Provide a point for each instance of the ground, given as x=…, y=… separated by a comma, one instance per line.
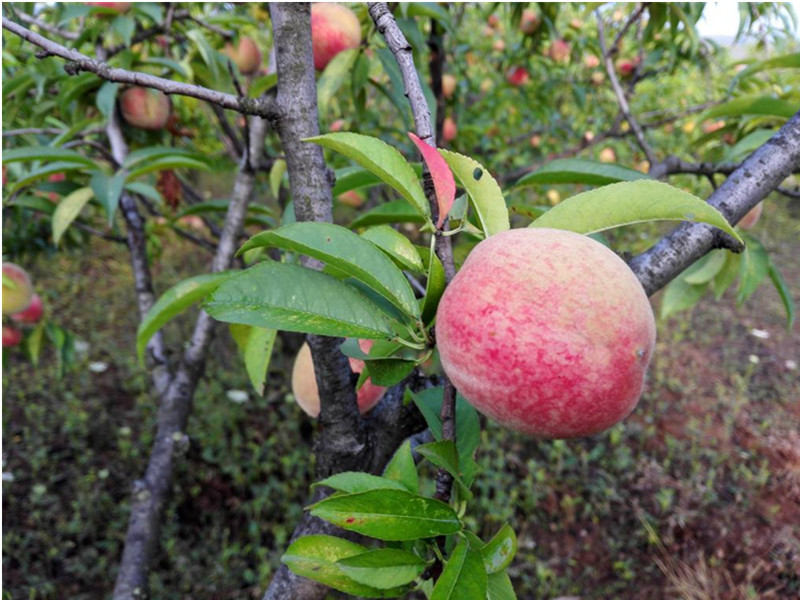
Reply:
x=696, y=495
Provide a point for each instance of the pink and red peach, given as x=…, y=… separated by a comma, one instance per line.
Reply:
x=547, y=332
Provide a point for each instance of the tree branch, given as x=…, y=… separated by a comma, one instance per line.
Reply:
x=620, y=93
x=748, y=185
x=46, y=27
x=263, y=107
x=635, y=15
x=401, y=49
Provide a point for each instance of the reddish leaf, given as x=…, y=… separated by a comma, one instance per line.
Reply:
x=443, y=181
x=169, y=186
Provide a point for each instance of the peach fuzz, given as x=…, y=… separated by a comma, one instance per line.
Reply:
x=306, y=392
x=334, y=28
x=547, y=332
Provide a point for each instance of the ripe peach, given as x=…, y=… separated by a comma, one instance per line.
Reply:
x=449, y=130
x=529, y=22
x=536, y=140
x=712, y=126
x=597, y=78
x=607, y=155
x=590, y=61
x=145, y=108
x=518, y=76
x=499, y=45
x=246, y=55
x=18, y=297
x=337, y=125
x=32, y=314
x=626, y=66
x=306, y=392
x=559, y=51
x=333, y=28
x=11, y=336
x=493, y=20
x=751, y=218
x=448, y=85
x=351, y=198
x=547, y=332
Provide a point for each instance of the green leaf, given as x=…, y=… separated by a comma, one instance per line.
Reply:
x=384, y=569
x=753, y=105
x=580, y=170
x=383, y=160
x=679, y=296
x=468, y=426
x=68, y=210
x=500, y=550
x=710, y=265
x=346, y=252
x=169, y=162
x=396, y=211
x=276, y=177
x=261, y=84
x=389, y=372
x=752, y=270
x=42, y=172
x=255, y=346
x=391, y=515
x=442, y=454
x=783, y=292
x=144, y=189
x=748, y=144
x=434, y=288
x=353, y=177
x=152, y=153
x=46, y=153
x=463, y=577
x=628, y=203
x=403, y=469
x=333, y=76
x=396, y=245
x=124, y=26
x=33, y=343
x=291, y=298
x=500, y=587
x=484, y=193
x=353, y=482
x=107, y=189
x=316, y=557
x=786, y=61
x=727, y=275
x=107, y=98
x=211, y=57
x=173, y=302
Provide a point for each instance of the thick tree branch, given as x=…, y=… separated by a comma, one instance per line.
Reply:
x=759, y=174
x=620, y=93
x=263, y=107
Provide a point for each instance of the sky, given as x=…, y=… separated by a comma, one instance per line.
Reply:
x=721, y=19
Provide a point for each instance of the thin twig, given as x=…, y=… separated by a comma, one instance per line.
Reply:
x=401, y=49
x=620, y=94
x=47, y=28
x=78, y=62
x=633, y=18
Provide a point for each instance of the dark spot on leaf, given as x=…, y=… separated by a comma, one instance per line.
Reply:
x=350, y=520
x=477, y=173
x=329, y=239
